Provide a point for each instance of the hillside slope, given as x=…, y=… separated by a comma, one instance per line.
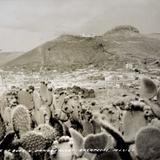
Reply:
x=8, y=56
x=110, y=50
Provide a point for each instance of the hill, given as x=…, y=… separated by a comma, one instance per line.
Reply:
x=8, y=56
x=154, y=35
x=114, y=49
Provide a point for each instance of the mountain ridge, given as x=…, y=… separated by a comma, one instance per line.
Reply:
x=117, y=46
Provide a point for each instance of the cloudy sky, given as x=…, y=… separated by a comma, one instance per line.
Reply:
x=25, y=24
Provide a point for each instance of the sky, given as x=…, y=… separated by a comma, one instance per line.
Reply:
x=25, y=24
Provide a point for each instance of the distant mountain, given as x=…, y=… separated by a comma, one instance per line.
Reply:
x=115, y=48
x=8, y=56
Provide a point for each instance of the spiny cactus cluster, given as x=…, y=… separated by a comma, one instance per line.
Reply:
x=61, y=124
x=34, y=120
x=33, y=141
x=47, y=131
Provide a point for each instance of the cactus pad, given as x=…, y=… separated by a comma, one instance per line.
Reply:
x=96, y=143
x=78, y=142
x=132, y=122
x=25, y=98
x=148, y=143
x=33, y=142
x=21, y=120
x=109, y=155
x=47, y=131
x=156, y=123
x=36, y=100
x=158, y=96
x=8, y=155
x=43, y=91
x=148, y=88
x=64, y=151
x=49, y=96
x=156, y=109
x=42, y=115
x=2, y=128
x=22, y=154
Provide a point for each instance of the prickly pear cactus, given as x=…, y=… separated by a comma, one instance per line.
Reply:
x=155, y=122
x=67, y=105
x=2, y=128
x=22, y=155
x=78, y=142
x=133, y=152
x=148, y=88
x=62, y=116
x=132, y=122
x=158, y=96
x=42, y=115
x=25, y=98
x=148, y=143
x=7, y=115
x=65, y=151
x=112, y=115
x=7, y=141
x=3, y=104
x=96, y=127
x=8, y=155
x=58, y=102
x=58, y=126
x=47, y=131
x=36, y=100
x=72, y=107
x=149, y=115
x=43, y=91
x=87, y=128
x=95, y=143
x=52, y=106
x=108, y=155
x=156, y=109
x=33, y=142
x=21, y=120
x=49, y=96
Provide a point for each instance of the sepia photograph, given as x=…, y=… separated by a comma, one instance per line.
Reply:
x=79, y=80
